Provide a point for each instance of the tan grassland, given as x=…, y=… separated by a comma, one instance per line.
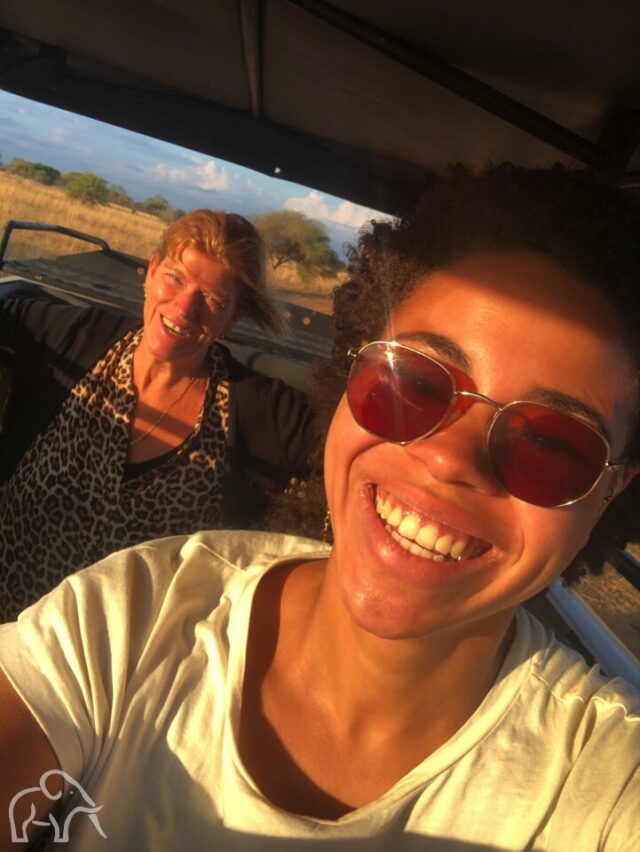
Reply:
x=134, y=233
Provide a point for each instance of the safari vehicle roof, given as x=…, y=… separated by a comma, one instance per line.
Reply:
x=365, y=99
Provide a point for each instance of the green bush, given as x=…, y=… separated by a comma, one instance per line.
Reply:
x=155, y=205
x=39, y=172
x=117, y=194
x=86, y=187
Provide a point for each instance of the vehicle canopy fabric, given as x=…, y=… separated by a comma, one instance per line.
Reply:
x=366, y=99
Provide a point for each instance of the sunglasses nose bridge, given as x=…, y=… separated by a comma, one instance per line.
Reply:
x=480, y=397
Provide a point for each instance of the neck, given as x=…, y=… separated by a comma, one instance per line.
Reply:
x=390, y=686
x=149, y=372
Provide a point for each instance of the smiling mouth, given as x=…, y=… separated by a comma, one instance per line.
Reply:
x=425, y=537
x=175, y=328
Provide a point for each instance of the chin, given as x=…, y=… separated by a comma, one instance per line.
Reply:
x=388, y=613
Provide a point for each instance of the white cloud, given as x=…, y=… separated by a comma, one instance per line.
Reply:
x=346, y=213
x=249, y=184
x=58, y=135
x=207, y=175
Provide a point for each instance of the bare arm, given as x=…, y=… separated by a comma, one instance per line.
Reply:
x=25, y=754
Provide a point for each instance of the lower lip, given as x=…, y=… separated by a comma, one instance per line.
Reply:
x=405, y=566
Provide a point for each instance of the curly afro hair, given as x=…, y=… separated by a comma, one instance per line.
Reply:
x=570, y=217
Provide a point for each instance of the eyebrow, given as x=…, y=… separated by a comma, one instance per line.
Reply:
x=441, y=345
x=570, y=405
x=451, y=351
x=172, y=267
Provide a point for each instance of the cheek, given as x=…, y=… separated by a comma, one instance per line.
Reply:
x=552, y=537
x=154, y=294
x=331, y=455
x=337, y=454
x=346, y=441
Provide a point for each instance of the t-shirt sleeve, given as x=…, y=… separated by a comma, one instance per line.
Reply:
x=71, y=655
x=622, y=833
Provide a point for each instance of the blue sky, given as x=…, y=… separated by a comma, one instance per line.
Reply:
x=146, y=166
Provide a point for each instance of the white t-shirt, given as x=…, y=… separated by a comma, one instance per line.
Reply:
x=134, y=669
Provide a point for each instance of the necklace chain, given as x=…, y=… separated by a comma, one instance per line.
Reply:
x=157, y=422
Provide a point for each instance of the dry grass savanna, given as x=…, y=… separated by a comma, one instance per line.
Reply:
x=20, y=198
x=135, y=233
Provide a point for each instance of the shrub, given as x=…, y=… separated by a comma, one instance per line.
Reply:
x=86, y=187
x=39, y=172
x=117, y=194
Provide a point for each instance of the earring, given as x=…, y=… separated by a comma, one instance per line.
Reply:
x=326, y=529
x=611, y=493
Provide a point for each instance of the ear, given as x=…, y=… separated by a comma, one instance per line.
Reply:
x=151, y=268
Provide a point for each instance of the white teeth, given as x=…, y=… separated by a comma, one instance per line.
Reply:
x=395, y=517
x=443, y=544
x=409, y=526
x=383, y=507
x=403, y=542
x=412, y=547
x=427, y=536
x=176, y=329
x=424, y=541
x=458, y=548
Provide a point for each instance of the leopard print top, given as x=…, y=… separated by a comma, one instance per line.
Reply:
x=68, y=503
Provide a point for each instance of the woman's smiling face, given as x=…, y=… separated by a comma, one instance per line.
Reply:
x=520, y=326
x=189, y=302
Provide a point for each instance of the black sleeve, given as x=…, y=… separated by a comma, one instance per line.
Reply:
x=272, y=433
x=47, y=347
x=36, y=333
x=276, y=429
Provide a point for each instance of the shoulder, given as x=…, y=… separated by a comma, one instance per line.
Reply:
x=591, y=724
x=589, y=719
x=564, y=679
x=194, y=570
x=57, y=325
x=248, y=381
x=567, y=677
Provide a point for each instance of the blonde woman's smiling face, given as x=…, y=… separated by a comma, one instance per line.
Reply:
x=189, y=302
x=520, y=327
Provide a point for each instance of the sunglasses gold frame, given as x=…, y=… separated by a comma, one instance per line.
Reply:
x=392, y=345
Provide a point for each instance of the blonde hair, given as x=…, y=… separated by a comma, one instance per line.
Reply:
x=236, y=243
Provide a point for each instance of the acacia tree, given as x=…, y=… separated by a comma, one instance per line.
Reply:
x=86, y=187
x=291, y=237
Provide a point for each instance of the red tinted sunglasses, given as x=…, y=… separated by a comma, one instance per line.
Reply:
x=540, y=455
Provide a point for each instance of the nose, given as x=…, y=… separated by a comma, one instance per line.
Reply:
x=188, y=302
x=457, y=453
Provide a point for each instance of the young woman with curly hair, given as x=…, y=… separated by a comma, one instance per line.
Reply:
x=262, y=692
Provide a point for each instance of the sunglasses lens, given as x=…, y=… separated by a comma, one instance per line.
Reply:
x=396, y=393
x=545, y=457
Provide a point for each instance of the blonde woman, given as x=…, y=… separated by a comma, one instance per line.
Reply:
x=117, y=433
